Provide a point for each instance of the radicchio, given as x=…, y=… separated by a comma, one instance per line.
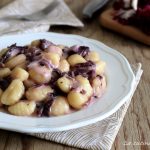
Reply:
x=81, y=50
x=4, y=83
x=86, y=69
x=13, y=50
x=33, y=54
x=45, y=44
x=140, y=18
x=44, y=107
x=56, y=74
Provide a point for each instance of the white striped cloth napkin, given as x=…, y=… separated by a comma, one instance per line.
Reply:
x=100, y=135
x=61, y=15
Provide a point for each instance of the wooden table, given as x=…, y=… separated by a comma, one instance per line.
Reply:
x=135, y=130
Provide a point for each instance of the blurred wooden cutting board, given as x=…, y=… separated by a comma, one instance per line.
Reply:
x=107, y=21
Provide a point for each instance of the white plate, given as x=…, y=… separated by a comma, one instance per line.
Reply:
x=120, y=80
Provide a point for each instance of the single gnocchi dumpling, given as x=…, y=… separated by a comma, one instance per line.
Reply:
x=64, y=65
x=19, y=73
x=39, y=74
x=82, y=80
x=77, y=99
x=13, y=62
x=38, y=93
x=3, y=51
x=53, y=58
x=22, y=65
x=4, y=72
x=60, y=106
x=54, y=49
x=13, y=93
x=35, y=43
x=75, y=59
x=84, y=85
x=99, y=85
x=64, y=84
x=61, y=46
x=93, y=56
x=100, y=67
x=29, y=83
x=22, y=108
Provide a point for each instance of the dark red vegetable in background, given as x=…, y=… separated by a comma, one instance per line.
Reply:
x=141, y=17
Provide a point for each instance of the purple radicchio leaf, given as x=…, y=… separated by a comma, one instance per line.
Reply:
x=66, y=52
x=44, y=44
x=142, y=19
x=39, y=109
x=44, y=107
x=139, y=18
x=86, y=69
x=118, y=4
x=33, y=54
x=13, y=50
x=81, y=50
x=4, y=83
x=56, y=74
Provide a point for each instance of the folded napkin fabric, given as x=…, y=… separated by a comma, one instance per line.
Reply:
x=61, y=15
x=100, y=135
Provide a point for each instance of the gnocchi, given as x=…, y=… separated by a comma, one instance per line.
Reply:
x=61, y=46
x=3, y=51
x=99, y=85
x=75, y=59
x=22, y=108
x=38, y=93
x=85, y=85
x=45, y=79
x=13, y=93
x=29, y=83
x=100, y=67
x=4, y=72
x=53, y=58
x=40, y=74
x=13, y=62
x=54, y=49
x=64, y=66
x=93, y=56
x=76, y=99
x=35, y=43
x=60, y=106
x=22, y=65
x=64, y=84
x=19, y=73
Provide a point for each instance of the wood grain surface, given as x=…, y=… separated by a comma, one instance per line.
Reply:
x=134, y=133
